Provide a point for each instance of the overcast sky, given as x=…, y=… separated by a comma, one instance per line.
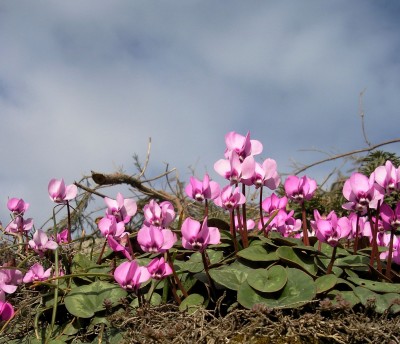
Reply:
x=84, y=84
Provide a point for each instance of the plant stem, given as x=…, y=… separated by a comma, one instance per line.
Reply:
x=233, y=232
x=389, y=258
x=206, y=264
x=245, y=239
x=102, y=251
x=176, y=277
x=306, y=241
x=330, y=266
x=357, y=231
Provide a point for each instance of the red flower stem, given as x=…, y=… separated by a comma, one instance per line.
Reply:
x=206, y=208
x=206, y=264
x=176, y=277
x=389, y=258
x=357, y=232
x=233, y=232
x=374, y=229
x=245, y=239
x=130, y=248
x=261, y=209
x=174, y=293
x=101, y=252
x=306, y=241
x=330, y=266
x=69, y=238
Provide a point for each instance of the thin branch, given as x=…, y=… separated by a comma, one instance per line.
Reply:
x=339, y=156
x=362, y=115
x=120, y=178
x=147, y=160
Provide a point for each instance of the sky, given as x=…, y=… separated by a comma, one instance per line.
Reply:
x=85, y=84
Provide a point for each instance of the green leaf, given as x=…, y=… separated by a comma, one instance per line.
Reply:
x=294, y=258
x=380, y=287
x=299, y=290
x=195, y=262
x=228, y=277
x=325, y=283
x=268, y=280
x=354, y=261
x=191, y=303
x=86, y=300
x=382, y=303
x=257, y=253
x=338, y=297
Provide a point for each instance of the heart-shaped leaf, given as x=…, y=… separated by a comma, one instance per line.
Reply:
x=268, y=280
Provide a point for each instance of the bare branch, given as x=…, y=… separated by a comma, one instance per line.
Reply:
x=147, y=160
x=339, y=156
x=362, y=115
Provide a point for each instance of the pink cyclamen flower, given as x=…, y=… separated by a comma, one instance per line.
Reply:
x=250, y=224
x=9, y=279
x=387, y=177
x=201, y=190
x=196, y=236
x=159, y=269
x=361, y=192
x=17, y=206
x=235, y=170
x=155, y=240
x=120, y=244
x=390, y=217
x=242, y=145
x=264, y=175
x=19, y=225
x=129, y=275
x=159, y=215
x=36, y=273
x=108, y=225
x=363, y=224
x=331, y=231
x=273, y=202
x=59, y=192
x=6, y=311
x=300, y=189
x=41, y=243
x=230, y=199
x=62, y=237
x=122, y=208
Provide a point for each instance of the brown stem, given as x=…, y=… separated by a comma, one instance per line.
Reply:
x=176, y=277
x=245, y=239
x=102, y=251
x=206, y=264
x=261, y=208
x=357, y=231
x=233, y=232
x=330, y=266
x=306, y=241
x=389, y=258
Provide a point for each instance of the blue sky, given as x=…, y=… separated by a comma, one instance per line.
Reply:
x=84, y=84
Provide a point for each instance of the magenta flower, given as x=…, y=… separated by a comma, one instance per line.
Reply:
x=6, y=311
x=230, y=199
x=390, y=217
x=108, y=225
x=155, y=240
x=273, y=202
x=300, y=189
x=159, y=215
x=234, y=170
x=19, y=225
x=41, y=243
x=17, y=206
x=201, y=190
x=36, y=273
x=363, y=224
x=387, y=177
x=62, y=237
x=120, y=244
x=9, y=279
x=264, y=175
x=242, y=145
x=361, y=192
x=59, y=192
x=250, y=224
x=159, y=269
x=197, y=237
x=331, y=231
x=318, y=216
x=129, y=275
x=122, y=209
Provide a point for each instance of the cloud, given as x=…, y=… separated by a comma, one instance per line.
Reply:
x=83, y=86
